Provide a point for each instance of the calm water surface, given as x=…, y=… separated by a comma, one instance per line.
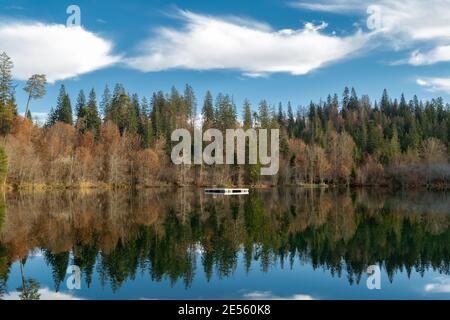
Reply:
x=182, y=244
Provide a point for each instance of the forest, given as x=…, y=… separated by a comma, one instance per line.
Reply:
x=118, y=139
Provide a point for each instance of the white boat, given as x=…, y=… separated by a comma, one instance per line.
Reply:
x=226, y=191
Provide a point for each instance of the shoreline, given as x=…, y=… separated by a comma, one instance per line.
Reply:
x=84, y=187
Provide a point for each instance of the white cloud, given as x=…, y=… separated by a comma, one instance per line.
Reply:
x=268, y=295
x=435, y=84
x=45, y=294
x=414, y=19
x=255, y=49
x=55, y=50
x=404, y=24
x=442, y=285
x=336, y=6
x=438, y=54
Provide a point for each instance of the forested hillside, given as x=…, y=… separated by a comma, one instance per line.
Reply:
x=121, y=139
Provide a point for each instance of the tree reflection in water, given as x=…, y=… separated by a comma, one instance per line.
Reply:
x=169, y=233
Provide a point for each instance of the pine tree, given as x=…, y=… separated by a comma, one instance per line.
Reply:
x=225, y=113
x=80, y=107
x=385, y=103
x=291, y=121
x=158, y=104
x=345, y=98
x=6, y=85
x=190, y=103
x=35, y=88
x=281, y=117
x=208, y=111
x=264, y=115
x=105, y=104
x=93, y=120
x=248, y=121
x=81, y=111
x=145, y=125
x=353, y=102
x=123, y=113
x=7, y=101
x=133, y=114
x=413, y=137
x=393, y=147
x=63, y=110
x=374, y=138
x=66, y=111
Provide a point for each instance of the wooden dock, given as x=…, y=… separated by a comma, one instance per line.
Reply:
x=226, y=191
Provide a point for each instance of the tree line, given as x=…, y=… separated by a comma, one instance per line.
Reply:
x=122, y=139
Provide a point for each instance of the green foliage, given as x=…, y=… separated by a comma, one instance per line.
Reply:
x=208, y=111
x=248, y=120
x=35, y=87
x=105, y=104
x=7, y=113
x=3, y=165
x=6, y=85
x=145, y=129
x=225, y=113
x=92, y=116
x=80, y=107
x=8, y=107
x=385, y=131
x=63, y=110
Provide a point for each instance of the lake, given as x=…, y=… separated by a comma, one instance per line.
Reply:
x=182, y=244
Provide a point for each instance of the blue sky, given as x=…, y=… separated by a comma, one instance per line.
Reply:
x=292, y=50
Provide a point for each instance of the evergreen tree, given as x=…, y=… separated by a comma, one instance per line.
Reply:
x=145, y=126
x=63, y=110
x=264, y=115
x=413, y=137
x=105, y=104
x=281, y=117
x=158, y=105
x=93, y=120
x=385, y=103
x=393, y=147
x=208, y=111
x=80, y=107
x=123, y=113
x=6, y=85
x=353, y=101
x=374, y=138
x=35, y=88
x=66, y=111
x=345, y=98
x=248, y=121
x=291, y=121
x=7, y=101
x=225, y=113
x=81, y=111
x=190, y=103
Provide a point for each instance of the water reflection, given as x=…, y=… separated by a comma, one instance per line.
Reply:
x=178, y=234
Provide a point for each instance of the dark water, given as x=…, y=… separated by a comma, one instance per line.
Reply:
x=182, y=244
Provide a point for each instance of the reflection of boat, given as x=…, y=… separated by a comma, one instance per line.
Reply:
x=225, y=191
